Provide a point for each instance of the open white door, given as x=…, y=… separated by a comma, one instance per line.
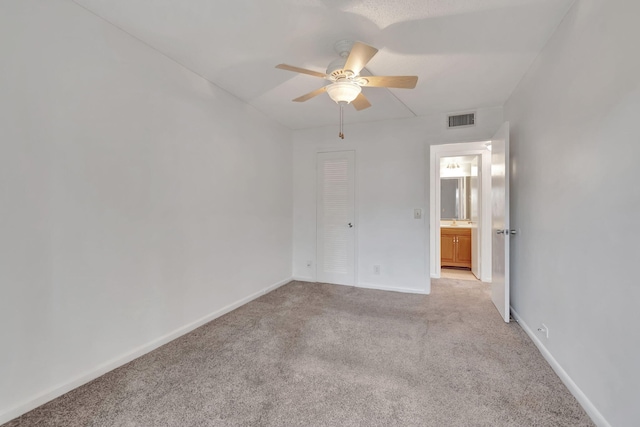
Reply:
x=500, y=220
x=335, y=259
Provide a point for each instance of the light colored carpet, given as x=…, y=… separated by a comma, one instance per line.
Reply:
x=325, y=355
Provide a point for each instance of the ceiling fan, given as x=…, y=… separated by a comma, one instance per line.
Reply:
x=346, y=82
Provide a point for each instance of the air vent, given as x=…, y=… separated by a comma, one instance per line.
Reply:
x=462, y=120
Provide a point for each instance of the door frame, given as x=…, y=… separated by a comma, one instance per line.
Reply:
x=454, y=150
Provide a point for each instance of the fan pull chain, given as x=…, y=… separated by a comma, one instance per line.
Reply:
x=341, y=133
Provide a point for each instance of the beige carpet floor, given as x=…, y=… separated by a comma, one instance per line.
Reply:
x=324, y=355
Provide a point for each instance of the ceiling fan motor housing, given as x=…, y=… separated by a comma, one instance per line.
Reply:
x=336, y=71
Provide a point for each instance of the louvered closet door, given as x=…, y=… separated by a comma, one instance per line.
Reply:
x=335, y=218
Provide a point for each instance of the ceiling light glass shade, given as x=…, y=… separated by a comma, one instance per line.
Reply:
x=343, y=91
x=453, y=165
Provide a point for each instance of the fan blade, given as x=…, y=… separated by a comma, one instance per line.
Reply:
x=402, y=82
x=359, y=56
x=310, y=95
x=300, y=70
x=361, y=102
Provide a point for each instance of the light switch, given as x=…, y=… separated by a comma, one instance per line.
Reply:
x=417, y=214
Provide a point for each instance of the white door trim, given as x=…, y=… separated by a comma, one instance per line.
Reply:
x=459, y=149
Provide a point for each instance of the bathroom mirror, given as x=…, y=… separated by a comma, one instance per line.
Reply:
x=455, y=198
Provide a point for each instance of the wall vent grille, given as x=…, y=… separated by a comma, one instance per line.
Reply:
x=460, y=120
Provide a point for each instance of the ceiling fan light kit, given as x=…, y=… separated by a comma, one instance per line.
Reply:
x=344, y=75
x=343, y=91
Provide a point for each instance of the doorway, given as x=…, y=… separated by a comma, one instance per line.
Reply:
x=460, y=200
x=494, y=225
x=460, y=213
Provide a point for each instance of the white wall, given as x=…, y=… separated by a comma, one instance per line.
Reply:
x=135, y=199
x=575, y=199
x=392, y=173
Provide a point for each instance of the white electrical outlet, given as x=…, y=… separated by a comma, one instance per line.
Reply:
x=417, y=214
x=376, y=269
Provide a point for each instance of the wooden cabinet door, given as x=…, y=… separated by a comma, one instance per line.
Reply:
x=447, y=249
x=463, y=247
x=455, y=247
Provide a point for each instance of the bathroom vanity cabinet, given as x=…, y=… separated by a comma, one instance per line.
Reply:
x=455, y=247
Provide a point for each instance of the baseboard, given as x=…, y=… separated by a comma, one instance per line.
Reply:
x=264, y=291
x=582, y=398
x=112, y=364
x=388, y=288
x=370, y=286
x=304, y=279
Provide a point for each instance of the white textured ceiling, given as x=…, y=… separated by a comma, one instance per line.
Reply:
x=466, y=53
